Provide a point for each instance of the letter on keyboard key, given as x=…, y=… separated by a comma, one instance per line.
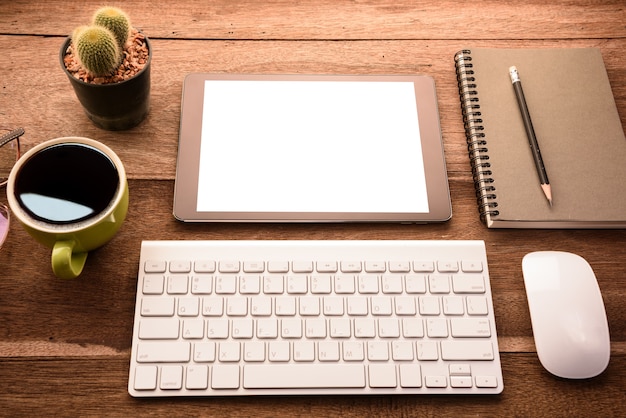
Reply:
x=303, y=376
x=163, y=352
x=467, y=350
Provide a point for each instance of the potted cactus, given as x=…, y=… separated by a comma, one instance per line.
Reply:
x=108, y=65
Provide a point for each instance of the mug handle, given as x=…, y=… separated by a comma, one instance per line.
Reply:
x=65, y=263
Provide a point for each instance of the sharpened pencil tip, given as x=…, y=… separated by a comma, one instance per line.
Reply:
x=547, y=190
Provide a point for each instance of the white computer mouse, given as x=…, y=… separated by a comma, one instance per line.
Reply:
x=567, y=313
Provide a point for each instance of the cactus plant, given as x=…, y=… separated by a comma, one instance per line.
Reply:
x=96, y=49
x=116, y=21
x=109, y=73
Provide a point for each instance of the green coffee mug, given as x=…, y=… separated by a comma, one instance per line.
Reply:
x=70, y=194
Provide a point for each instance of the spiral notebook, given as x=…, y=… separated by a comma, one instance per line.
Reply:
x=578, y=129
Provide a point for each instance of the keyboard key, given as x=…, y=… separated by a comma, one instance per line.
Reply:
x=303, y=376
x=201, y=284
x=303, y=351
x=423, y=266
x=410, y=376
x=225, y=377
x=217, y=328
x=155, y=266
x=461, y=381
x=163, y=352
x=254, y=351
x=154, y=329
x=204, y=266
x=229, y=352
x=320, y=284
x=157, y=306
x=402, y=350
x=470, y=327
x=468, y=283
x=392, y=284
x=204, y=352
x=453, y=305
x=378, y=351
x=472, y=266
x=278, y=351
x=273, y=284
x=188, y=306
x=328, y=351
x=344, y=284
x=382, y=375
x=429, y=305
x=297, y=284
x=436, y=381
x=326, y=266
x=253, y=266
x=399, y=266
x=145, y=378
x=250, y=285
x=267, y=328
x=467, y=350
x=180, y=266
x=438, y=283
x=368, y=283
x=226, y=285
x=447, y=266
x=375, y=266
x=302, y=266
x=228, y=266
x=486, y=381
x=171, y=377
x=477, y=305
x=351, y=266
x=177, y=285
x=278, y=266
x=212, y=306
x=415, y=283
x=153, y=284
x=197, y=377
x=364, y=328
x=427, y=350
x=353, y=351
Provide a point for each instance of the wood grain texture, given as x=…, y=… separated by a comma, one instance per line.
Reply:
x=65, y=345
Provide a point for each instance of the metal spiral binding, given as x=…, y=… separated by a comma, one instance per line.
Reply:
x=476, y=142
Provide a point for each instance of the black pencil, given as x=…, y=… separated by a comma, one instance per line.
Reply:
x=530, y=133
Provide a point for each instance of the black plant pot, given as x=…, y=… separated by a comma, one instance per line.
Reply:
x=114, y=106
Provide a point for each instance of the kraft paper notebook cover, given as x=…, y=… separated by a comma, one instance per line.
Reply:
x=578, y=130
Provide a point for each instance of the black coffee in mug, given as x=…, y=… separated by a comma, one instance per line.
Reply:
x=66, y=183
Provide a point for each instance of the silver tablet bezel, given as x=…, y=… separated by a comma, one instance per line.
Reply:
x=187, y=167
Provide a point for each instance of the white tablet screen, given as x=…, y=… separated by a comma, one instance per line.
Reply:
x=324, y=146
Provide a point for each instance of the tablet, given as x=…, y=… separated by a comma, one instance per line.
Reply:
x=310, y=148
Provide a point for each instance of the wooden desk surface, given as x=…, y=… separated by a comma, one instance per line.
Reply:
x=65, y=345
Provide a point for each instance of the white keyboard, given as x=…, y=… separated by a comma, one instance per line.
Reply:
x=223, y=318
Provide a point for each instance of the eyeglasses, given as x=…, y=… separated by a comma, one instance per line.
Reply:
x=9, y=153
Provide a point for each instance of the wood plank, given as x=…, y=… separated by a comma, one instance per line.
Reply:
x=336, y=19
x=101, y=306
x=90, y=384
x=50, y=109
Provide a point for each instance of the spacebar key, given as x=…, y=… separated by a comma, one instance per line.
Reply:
x=303, y=376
